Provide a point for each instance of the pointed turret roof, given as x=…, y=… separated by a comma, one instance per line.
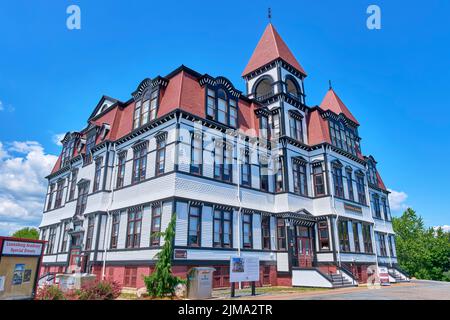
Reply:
x=334, y=103
x=271, y=47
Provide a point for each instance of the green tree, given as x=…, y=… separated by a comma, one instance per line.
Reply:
x=27, y=233
x=162, y=282
x=423, y=252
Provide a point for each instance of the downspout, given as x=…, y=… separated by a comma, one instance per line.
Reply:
x=108, y=213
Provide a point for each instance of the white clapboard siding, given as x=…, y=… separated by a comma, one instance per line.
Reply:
x=145, y=228
x=207, y=227
x=151, y=158
x=122, y=230
x=256, y=232
x=184, y=157
x=166, y=215
x=101, y=239
x=181, y=210
x=128, y=172
x=235, y=230
x=170, y=158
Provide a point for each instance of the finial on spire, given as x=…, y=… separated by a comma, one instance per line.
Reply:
x=329, y=84
x=269, y=14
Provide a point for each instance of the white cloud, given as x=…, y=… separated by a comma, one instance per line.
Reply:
x=397, y=200
x=445, y=228
x=57, y=138
x=23, y=167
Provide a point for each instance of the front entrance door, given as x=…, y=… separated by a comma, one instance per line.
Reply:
x=304, y=246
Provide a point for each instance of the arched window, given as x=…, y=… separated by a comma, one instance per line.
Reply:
x=221, y=107
x=146, y=108
x=263, y=89
x=292, y=87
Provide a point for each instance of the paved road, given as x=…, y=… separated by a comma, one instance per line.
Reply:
x=415, y=290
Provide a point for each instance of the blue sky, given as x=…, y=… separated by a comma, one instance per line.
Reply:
x=394, y=80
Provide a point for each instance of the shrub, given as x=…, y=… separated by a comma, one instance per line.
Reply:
x=161, y=282
x=100, y=290
x=50, y=292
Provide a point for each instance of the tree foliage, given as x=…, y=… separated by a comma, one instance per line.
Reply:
x=27, y=233
x=162, y=282
x=422, y=252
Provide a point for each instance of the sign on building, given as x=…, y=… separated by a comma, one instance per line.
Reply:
x=244, y=269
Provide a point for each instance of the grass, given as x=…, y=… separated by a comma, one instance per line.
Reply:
x=265, y=290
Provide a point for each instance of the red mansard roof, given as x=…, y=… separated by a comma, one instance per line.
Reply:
x=334, y=103
x=380, y=182
x=318, y=131
x=271, y=47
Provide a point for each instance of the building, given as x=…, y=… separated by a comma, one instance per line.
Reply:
x=312, y=207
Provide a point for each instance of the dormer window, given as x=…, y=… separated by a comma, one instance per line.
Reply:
x=145, y=109
x=67, y=152
x=372, y=173
x=221, y=107
x=90, y=143
x=343, y=137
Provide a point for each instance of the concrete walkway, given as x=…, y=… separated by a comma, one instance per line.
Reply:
x=414, y=290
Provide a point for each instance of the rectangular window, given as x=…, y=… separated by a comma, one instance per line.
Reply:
x=386, y=210
x=50, y=196
x=196, y=155
x=276, y=125
x=90, y=143
x=222, y=111
x=137, y=114
x=211, y=104
x=59, y=193
x=83, y=190
x=90, y=233
x=264, y=126
x=134, y=228
x=319, y=185
x=121, y=170
x=98, y=174
x=281, y=234
x=233, y=113
x=139, y=164
x=153, y=105
x=343, y=236
x=300, y=180
x=73, y=184
x=51, y=240
x=245, y=170
x=360, y=186
x=115, y=230
x=338, y=182
x=279, y=180
x=296, y=129
x=376, y=209
x=223, y=163
x=130, y=277
x=156, y=226
x=351, y=195
x=145, y=112
x=65, y=236
x=391, y=241
x=160, y=157
x=265, y=232
x=194, y=226
x=324, y=239
x=382, y=244
x=247, y=230
x=367, y=238
x=356, y=236
x=264, y=174
x=222, y=229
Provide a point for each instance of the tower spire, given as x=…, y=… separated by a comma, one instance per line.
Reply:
x=269, y=14
x=329, y=85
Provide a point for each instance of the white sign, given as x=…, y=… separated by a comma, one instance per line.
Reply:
x=243, y=269
x=19, y=248
x=383, y=273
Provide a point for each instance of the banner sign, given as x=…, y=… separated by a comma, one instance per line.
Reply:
x=384, y=276
x=243, y=269
x=19, y=248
